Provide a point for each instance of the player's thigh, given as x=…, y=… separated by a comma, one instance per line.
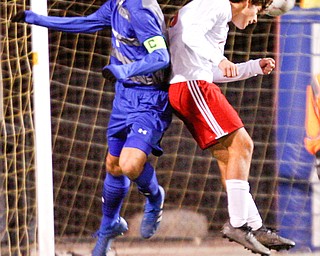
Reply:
x=117, y=131
x=219, y=152
x=130, y=162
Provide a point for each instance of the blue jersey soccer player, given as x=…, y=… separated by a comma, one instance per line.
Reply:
x=141, y=112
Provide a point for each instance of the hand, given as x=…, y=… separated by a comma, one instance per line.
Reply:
x=108, y=75
x=267, y=65
x=19, y=17
x=228, y=68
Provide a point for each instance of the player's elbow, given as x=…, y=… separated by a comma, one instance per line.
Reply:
x=162, y=57
x=166, y=60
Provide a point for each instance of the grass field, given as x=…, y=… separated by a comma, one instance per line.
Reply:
x=212, y=247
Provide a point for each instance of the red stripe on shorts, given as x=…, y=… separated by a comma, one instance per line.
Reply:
x=205, y=111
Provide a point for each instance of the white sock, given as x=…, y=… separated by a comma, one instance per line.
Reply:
x=254, y=218
x=238, y=201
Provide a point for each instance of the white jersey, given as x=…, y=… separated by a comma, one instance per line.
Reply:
x=197, y=38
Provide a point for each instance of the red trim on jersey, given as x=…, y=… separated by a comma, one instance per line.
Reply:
x=205, y=111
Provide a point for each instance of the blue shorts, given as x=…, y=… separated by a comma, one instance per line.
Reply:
x=139, y=118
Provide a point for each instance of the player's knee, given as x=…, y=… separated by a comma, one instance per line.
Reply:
x=114, y=170
x=131, y=162
x=247, y=147
x=242, y=145
x=131, y=169
x=112, y=166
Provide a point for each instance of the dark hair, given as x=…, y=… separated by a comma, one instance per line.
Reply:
x=263, y=3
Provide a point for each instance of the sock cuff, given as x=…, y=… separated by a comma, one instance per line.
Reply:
x=147, y=182
x=146, y=176
x=117, y=181
x=237, y=184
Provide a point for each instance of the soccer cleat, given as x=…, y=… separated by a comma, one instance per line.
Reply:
x=270, y=239
x=152, y=216
x=107, y=235
x=245, y=237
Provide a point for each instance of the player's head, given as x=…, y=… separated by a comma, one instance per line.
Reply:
x=263, y=3
x=245, y=12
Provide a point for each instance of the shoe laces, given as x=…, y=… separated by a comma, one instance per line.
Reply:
x=246, y=228
x=268, y=230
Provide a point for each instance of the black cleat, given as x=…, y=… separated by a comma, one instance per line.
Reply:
x=245, y=237
x=272, y=240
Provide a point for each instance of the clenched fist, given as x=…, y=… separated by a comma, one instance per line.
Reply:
x=267, y=65
x=108, y=75
x=19, y=17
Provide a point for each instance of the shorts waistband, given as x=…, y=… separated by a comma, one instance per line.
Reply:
x=154, y=87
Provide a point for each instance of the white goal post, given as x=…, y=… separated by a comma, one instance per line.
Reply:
x=1, y=88
x=43, y=145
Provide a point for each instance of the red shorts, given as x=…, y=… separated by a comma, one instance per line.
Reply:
x=205, y=111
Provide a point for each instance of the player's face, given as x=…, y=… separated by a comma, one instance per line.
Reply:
x=247, y=16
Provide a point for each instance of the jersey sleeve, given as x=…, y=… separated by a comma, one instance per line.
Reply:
x=145, y=24
x=246, y=70
x=149, y=33
x=205, y=20
x=152, y=62
x=89, y=24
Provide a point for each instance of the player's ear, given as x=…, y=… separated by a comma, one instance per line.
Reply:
x=247, y=3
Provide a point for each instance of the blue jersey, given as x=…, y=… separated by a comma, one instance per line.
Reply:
x=139, y=56
x=133, y=23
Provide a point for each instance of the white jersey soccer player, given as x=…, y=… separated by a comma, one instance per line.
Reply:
x=197, y=36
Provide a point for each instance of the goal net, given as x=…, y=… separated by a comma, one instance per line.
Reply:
x=81, y=103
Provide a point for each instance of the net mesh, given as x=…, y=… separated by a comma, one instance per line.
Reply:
x=81, y=103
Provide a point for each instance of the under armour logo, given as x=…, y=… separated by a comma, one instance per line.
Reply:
x=144, y=132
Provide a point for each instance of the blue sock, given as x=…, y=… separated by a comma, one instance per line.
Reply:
x=115, y=189
x=147, y=182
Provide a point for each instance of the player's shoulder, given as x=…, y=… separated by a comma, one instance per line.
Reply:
x=145, y=6
x=136, y=5
x=200, y=10
x=108, y=6
x=208, y=5
x=221, y=5
x=220, y=8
